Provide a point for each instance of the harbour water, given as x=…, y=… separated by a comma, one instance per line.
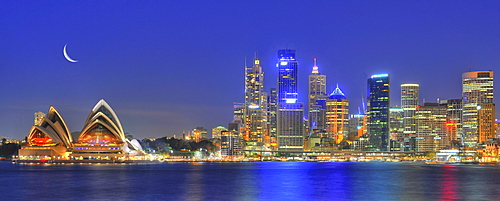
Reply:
x=250, y=181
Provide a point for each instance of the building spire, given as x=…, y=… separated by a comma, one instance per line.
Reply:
x=337, y=93
x=315, y=68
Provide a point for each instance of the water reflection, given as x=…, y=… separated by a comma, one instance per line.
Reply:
x=194, y=189
x=279, y=180
x=448, y=183
x=251, y=181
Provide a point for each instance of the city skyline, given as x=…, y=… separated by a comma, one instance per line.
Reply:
x=171, y=66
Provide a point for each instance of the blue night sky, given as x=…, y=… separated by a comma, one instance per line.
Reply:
x=169, y=66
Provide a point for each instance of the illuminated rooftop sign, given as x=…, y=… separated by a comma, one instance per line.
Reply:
x=380, y=75
x=409, y=85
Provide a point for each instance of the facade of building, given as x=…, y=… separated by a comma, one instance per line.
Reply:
x=231, y=144
x=290, y=127
x=486, y=118
x=272, y=109
x=39, y=116
x=477, y=92
x=216, y=132
x=255, y=116
x=396, y=119
x=337, y=116
x=357, y=126
x=431, y=128
x=409, y=103
x=317, y=96
x=378, y=112
x=453, y=119
x=199, y=134
x=239, y=113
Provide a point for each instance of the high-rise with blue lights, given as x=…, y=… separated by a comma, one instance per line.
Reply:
x=290, y=127
x=317, y=97
x=378, y=112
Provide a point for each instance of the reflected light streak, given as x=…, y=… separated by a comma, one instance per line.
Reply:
x=448, y=184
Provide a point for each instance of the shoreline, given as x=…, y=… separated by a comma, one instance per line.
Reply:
x=100, y=162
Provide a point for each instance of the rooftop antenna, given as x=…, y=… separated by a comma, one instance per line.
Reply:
x=315, y=68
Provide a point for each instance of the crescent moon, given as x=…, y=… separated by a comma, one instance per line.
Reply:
x=67, y=56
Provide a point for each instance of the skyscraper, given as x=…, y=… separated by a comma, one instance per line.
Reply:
x=486, y=118
x=477, y=92
x=272, y=105
x=453, y=119
x=378, y=112
x=290, y=128
x=409, y=104
x=317, y=94
x=255, y=103
x=396, y=128
x=337, y=115
x=431, y=127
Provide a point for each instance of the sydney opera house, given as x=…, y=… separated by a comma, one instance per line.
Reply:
x=102, y=138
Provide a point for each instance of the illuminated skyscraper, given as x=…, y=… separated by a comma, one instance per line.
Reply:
x=337, y=115
x=378, y=112
x=409, y=104
x=255, y=103
x=272, y=105
x=453, y=119
x=431, y=128
x=290, y=127
x=486, y=118
x=477, y=92
x=396, y=118
x=317, y=95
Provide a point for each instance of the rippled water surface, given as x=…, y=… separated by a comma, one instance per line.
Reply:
x=250, y=181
